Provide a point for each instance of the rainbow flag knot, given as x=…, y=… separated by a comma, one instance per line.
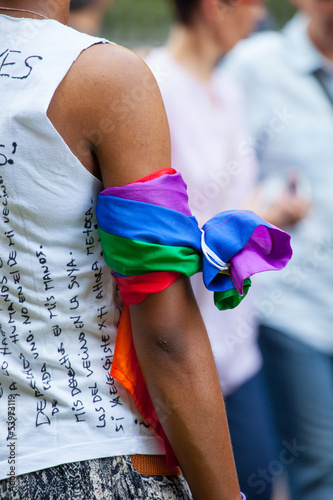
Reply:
x=149, y=237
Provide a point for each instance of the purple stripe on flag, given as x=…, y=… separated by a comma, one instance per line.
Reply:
x=167, y=191
x=267, y=250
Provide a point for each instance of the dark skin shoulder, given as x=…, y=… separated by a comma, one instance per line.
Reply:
x=110, y=112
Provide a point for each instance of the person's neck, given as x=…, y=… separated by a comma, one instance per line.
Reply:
x=325, y=48
x=57, y=10
x=194, y=50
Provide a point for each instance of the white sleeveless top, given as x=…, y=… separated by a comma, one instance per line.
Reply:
x=58, y=313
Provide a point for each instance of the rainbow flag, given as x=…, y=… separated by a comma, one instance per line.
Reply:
x=149, y=237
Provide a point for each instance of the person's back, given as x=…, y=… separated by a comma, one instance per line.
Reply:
x=58, y=310
x=59, y=314
x=291, y=123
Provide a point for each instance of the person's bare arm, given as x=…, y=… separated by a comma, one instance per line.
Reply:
x=177, y=362
x=113, y=118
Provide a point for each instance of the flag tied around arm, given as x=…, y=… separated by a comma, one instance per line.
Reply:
x=149, y=237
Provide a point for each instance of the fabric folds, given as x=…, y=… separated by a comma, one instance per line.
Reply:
x=149, y=237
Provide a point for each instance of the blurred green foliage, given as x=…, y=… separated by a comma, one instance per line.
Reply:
x=282, y=10
x=132, y=22
x=146, y=22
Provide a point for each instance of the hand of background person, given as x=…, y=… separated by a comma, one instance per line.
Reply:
x=287, y=210
x=282, y=204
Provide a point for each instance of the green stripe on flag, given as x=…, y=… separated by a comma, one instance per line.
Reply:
x=229, y=299
x=132, y=257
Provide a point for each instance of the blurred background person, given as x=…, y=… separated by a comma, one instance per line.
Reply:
x=87, y=15
x=205, y=113
x=288, y=79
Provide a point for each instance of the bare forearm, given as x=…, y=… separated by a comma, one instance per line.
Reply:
x=181, y=377
x=194, y=420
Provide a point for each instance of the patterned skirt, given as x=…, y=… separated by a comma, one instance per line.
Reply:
x=111, y=478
